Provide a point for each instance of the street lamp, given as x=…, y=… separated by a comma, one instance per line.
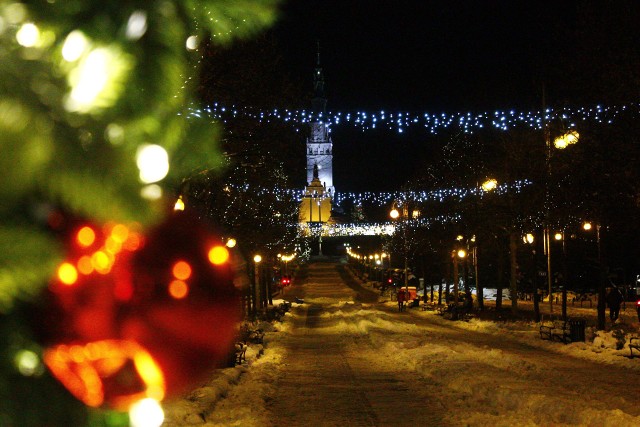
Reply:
x=568, y=138
x=256, y=283
x=587, y=226
x=560, y=237
x=395, y=214
x=528, y=239
x=456, y=255
x=487, y=186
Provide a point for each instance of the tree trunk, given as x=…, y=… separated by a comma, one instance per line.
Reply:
x=513, y=264
x=536, y=305
x=500, y=281
x=479, y=288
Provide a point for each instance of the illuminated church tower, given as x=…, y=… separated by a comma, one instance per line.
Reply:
x=315, y=207
x=319, y=144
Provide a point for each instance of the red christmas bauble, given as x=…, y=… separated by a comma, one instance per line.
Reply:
x=136, y=316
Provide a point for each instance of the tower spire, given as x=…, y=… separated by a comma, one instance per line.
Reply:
x=319, y=101
x=319, y=144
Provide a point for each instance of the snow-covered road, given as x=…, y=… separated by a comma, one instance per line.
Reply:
x=343, y=359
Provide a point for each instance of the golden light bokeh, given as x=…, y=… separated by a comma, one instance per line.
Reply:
x=181, y=270
x=86, y=236
x=178, y=289
x=119, y=233
x=218, y=255
x=67, y=274
x=85, y=266
x=134, y=241
x=101, y=262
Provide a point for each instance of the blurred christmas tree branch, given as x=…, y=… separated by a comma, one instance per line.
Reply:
x=85, y=88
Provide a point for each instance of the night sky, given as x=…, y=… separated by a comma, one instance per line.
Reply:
x=426, y=55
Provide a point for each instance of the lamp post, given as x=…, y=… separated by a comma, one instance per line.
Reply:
x=587, y=226
x=547, y=251
x=256, y=284
x=395, y=214
x=561, y=142
x=560, y=237
x=455, y=277
x=487, y=186
x=457, y=255
x=529, y=239
x=382, y=257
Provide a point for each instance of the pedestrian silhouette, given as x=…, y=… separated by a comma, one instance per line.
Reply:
x=401, y=299
x=614, y=300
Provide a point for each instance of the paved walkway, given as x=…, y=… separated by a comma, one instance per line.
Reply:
x=335, y=387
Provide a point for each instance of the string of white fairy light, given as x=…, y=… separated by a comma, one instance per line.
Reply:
x=401, y=121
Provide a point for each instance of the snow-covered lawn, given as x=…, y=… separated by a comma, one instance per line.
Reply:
x=335, y=361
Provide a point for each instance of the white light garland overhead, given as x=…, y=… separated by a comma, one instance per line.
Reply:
x=387, y=198
x=400, y=121
x=370, y=229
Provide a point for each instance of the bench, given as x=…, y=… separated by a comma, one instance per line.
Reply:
x=634, y=343
x=241, y=352
x=556, y=329
x=282, y=309
x=428, y=306
x=285, y=306
x=255, y=336
x=459, y=312
x=277, y=313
